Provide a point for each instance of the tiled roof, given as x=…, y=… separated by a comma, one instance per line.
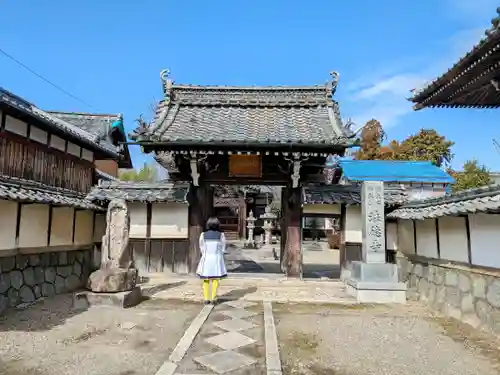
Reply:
x=246, y=115
x=483, y=199
x=29, y=191
x=99, y=125
x=104, y=176
x=393, y=171
x=468, y=82
x=139, y=191
x=55, y=123
x=347, y=194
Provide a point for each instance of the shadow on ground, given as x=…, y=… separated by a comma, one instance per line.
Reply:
x=40, y=316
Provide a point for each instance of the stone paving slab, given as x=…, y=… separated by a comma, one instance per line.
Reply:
x=225, y=361
x=230, y=340
x=227, y=345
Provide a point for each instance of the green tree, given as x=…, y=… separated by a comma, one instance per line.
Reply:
x=147, y=173
x=427, y=144
x=471, y=176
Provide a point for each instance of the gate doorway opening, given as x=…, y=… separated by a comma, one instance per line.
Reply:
x=235, y=206
x=321, y=246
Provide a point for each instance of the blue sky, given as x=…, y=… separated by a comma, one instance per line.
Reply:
x=110, y=53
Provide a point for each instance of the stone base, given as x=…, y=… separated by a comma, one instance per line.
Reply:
x=112, y=280
x=130, y=298
x=375, y=283
x=345, y=271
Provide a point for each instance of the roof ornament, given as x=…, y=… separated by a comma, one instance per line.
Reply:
x=140, y=132
x=166, y=82
x=335, y=80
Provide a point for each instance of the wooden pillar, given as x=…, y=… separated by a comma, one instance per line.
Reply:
x=283, y=228
x=293, y=253
x=342, y=249
x=200, y=209
x=242, y=219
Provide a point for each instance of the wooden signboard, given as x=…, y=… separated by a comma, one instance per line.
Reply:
x=245, y=166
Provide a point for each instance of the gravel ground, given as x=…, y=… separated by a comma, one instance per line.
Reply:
x=51, y=338
x=357, y=340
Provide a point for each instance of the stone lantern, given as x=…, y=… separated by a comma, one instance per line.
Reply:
x=268, y=218
x=250, y=242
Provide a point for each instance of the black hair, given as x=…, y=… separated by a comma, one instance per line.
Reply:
x=213, y=224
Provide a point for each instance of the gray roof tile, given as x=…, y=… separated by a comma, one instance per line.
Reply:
x=139, y=191
x=480, y=200
x=21, y=190
x=55, y=123
x=276, y=115
x=464, y=72
x=348, y=194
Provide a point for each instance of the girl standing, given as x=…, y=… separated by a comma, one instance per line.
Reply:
x=211, y=266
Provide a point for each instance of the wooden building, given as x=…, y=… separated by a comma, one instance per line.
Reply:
x=47, y=226
x=108, y=129
x=158, y=236
x=473, y=82
x=219, y=135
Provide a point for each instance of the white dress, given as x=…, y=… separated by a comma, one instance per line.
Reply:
x=212, y=247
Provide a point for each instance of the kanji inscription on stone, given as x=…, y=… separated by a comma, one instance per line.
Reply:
x=373, y=218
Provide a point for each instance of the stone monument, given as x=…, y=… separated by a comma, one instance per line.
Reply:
x=372, y=280
x=116, y=279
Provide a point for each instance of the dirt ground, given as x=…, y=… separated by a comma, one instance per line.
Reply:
x=51, y=338
x=357, y=340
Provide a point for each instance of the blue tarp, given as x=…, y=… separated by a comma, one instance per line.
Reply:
x=394, y=171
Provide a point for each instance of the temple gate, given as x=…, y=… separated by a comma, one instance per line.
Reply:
x=219, y=135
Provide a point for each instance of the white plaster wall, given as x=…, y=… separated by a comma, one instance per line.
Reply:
x=84, y=227
x=38, y=135
x=8, y=222
x=61, y=228
x=331, y=209
x=57, y=143
x=485, y=239
x=34, y=225
x=427, y=238
x=406, y=237
x=87, y=155
x=453, y=239
x=138, y=219
x=353, y=224
x=99, y=227
x=73, y=149
x=16, y=126
x=169, y=220
x=391, y=236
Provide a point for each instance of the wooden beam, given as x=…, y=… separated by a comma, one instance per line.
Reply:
x=18, y=222
x=147, y=244
x=51, y=211
x=199, y=211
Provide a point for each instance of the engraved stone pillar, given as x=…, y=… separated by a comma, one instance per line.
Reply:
x=372, y=280
x=373, y=222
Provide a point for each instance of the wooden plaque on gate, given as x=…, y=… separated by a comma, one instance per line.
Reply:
x=245, y=166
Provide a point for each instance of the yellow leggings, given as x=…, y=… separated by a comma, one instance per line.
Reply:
x=206, y=289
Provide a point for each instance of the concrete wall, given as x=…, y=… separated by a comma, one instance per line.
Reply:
x=453, y=264
x=36, y=228
x=168, y=220
x=353, y=224
x=469, y=240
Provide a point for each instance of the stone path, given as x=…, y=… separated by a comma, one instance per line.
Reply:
x=234, y=338
x=251, y=289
